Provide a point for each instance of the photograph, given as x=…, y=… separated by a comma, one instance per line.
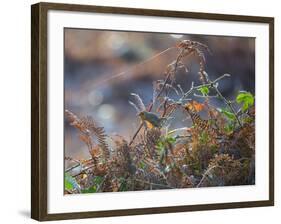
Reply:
x=157, y=111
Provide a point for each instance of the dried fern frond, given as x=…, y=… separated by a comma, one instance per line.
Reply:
x=244, y=139
x=135, y=106
x=204, y=46
x=172, y=67
x=151, y=138
x=218, y=119
x=99, y=133
x=189, y=47
x=138, y=103
x=125, y=149
x=87, y=140
x=200, y=55
x=159, y=84
x=122, y=163
x=152, y=166
x=137, y=152
x=88, y=128
x=170, y=109
x=223, y=170
x=76, y=122
x=177, y=179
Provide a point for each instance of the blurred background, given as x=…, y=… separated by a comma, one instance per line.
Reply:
x=93, y=57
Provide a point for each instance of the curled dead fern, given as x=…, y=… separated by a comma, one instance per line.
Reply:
x=99, y=133
x=196, y=48
x=152, y=136
x=88, y=128
x=137, y=103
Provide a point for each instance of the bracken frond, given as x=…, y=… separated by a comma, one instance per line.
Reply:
x=138, y=102
x=99, y=133
x=87, y=127
x=151, y=138
x=189, y=47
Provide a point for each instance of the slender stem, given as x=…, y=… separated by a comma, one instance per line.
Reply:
x=228, y=103
x=206, y=174
x=83, y=166
x=136, y=133
x=200, y=96
x=72, y=167
x=83, y=170
x=68, y=191
x=212, y=84
x=165, y=108
x=177, y=129
x=221, y=77
x=101, y=184
x=157, y=96
x=154, y=184
x=78, y=163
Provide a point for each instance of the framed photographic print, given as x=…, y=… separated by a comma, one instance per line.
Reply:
x=138, y=111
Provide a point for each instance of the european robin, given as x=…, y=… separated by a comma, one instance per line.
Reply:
x=151, y=119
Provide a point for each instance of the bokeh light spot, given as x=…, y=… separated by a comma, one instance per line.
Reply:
x=95, y=98
x=106, y=112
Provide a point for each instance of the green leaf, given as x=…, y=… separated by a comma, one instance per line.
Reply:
x=248, y=120
x=142, y=165
x=171, y=140
x=246, y=98
x=92, y=189
x=204, y=90
x=70, y=183
x=98, y=180
x=203, y=137
x=229, y=128
x=227, y=113
x=160, y=145
x=162, y=156
x=123, y=184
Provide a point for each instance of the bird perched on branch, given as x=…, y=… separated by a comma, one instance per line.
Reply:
x=151, y=119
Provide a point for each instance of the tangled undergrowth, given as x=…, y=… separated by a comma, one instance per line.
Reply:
x=217, y=151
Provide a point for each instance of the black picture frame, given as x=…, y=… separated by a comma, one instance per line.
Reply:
x=39, y=105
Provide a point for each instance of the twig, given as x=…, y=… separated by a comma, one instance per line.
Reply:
x=177, y=129
x=72, y=167
x=201, y=96
x=165, y=107
x=212, y=84
x=83, y=170
x=221, y=77
x=100, y=186
x=154, y=184
x=157, y=96
x=228, y=103
x=206, y=174
x=79, y=163
x=136, y=133
x=180, y=88
x=68, y=191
